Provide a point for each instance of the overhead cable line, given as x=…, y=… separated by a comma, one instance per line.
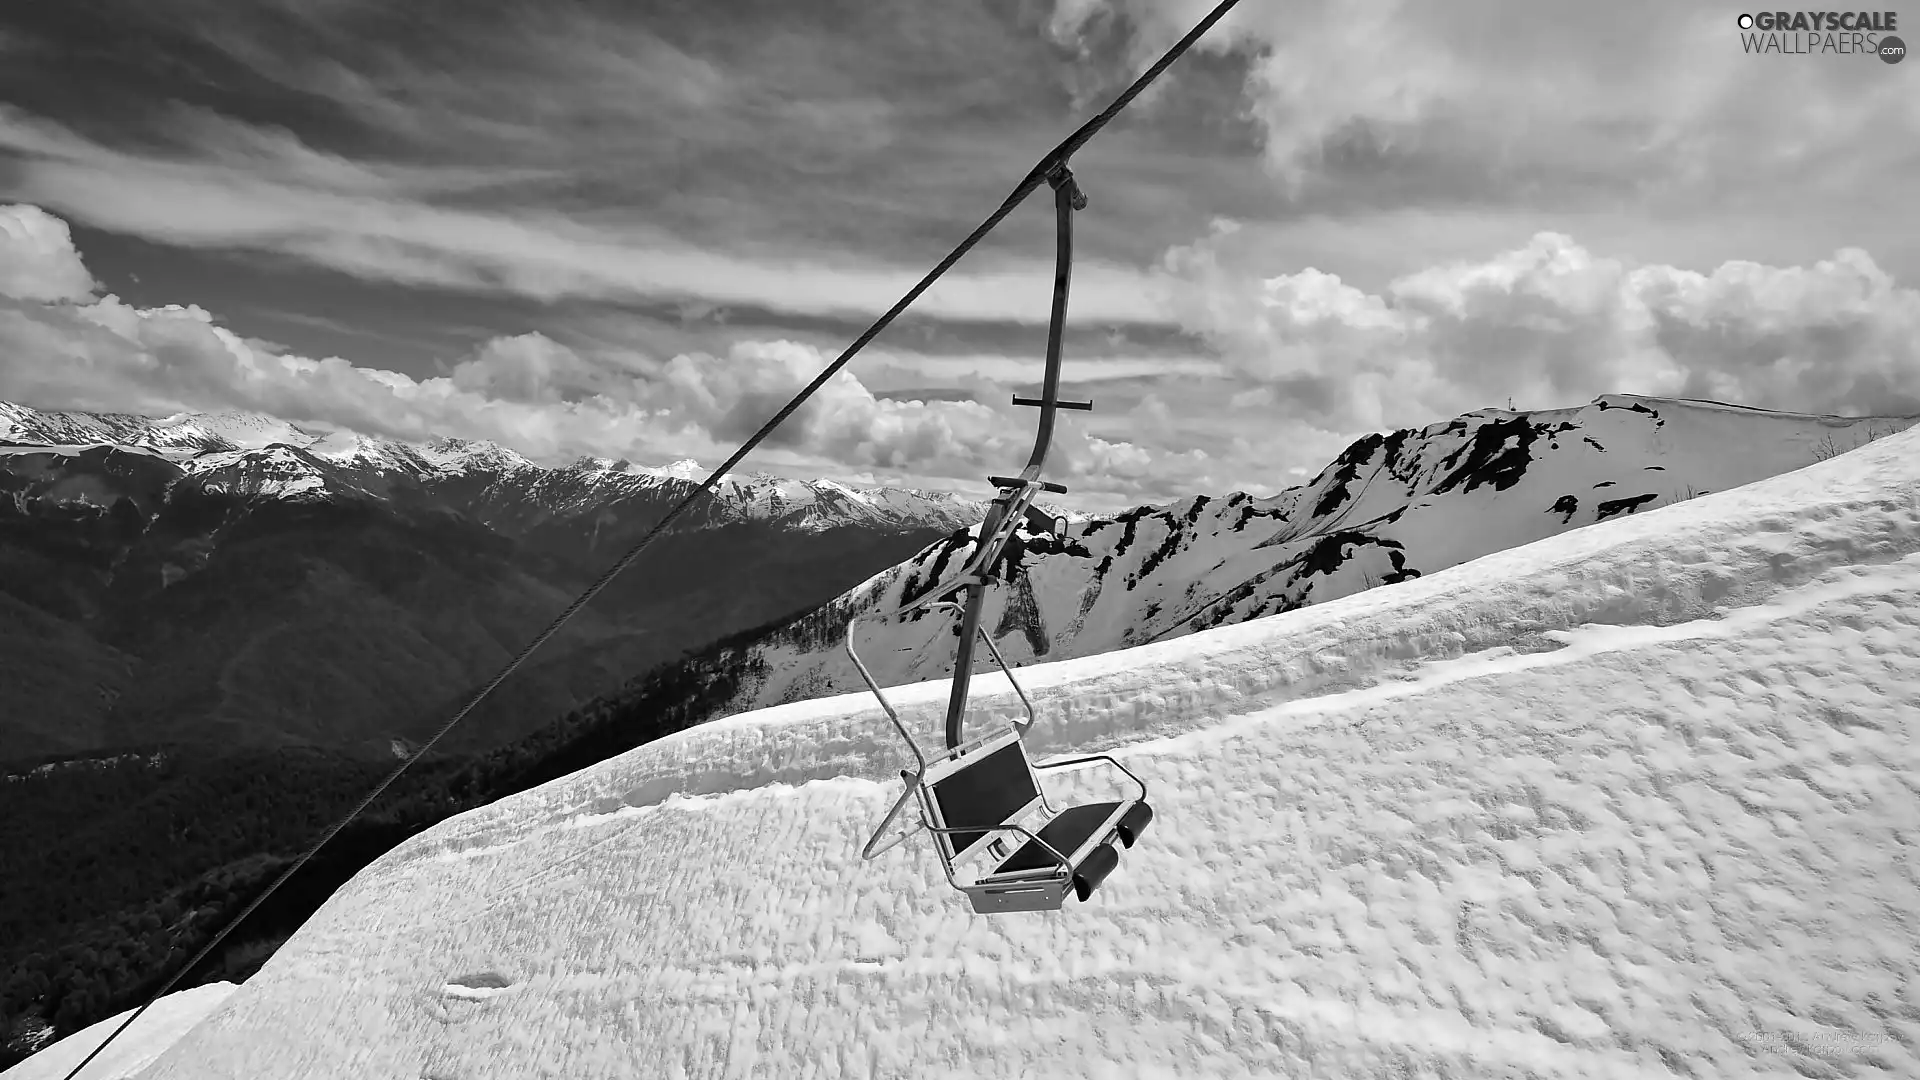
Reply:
x=1049, y=166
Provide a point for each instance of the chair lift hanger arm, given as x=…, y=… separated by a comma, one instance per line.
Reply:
x=1067, y=197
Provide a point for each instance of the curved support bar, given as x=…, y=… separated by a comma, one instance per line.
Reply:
x=1025, y=702
x=867, y=677
x=874, y=848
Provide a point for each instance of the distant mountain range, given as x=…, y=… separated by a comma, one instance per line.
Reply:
x=249, y=454
x=232, y=578
x=1391, y=507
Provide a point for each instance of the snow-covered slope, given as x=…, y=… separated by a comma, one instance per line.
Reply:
x=180, y=433
x=1391, y=508
x=1630, y=801
x=280, y=472
x=263, y=455
x=137, y=1046
x=19, y=423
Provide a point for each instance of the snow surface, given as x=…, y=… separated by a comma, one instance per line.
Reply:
x=686, y=469
x=234, y=428
x=1637, y=800
x=135, y=1048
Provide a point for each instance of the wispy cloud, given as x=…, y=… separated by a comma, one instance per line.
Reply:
x=778, y=161
x=282, y=198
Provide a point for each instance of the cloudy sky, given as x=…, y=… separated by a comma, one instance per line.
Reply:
x=633, y=229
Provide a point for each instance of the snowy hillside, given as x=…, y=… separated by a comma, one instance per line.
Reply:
x=1630, y=801
x=136, y=1047
x=261, y=455
x=182, y=433
x=1391, y=508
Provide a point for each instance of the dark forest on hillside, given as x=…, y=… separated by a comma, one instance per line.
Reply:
x=144, y=857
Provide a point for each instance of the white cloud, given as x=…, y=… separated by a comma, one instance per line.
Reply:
x=1307, y=362
x=1528, y=81
x=37, y=257
x=528, y=391
x=1553, y=323
x=731, y=395
x=530, y=368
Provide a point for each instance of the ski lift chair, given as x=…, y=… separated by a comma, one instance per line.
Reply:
x=983, y=798
x=979, y=798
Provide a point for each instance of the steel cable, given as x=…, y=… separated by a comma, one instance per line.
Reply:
x=1057, y=156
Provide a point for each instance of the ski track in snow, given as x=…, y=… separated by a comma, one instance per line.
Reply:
x=1636, y=801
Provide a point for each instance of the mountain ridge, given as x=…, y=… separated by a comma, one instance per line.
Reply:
x=1390, y=507
x=298, y=459
x=191, y=566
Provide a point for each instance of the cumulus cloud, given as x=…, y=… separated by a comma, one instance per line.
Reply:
x=531, y=368
x=527, y=391
x=733, y=394
x=1554, y=323
x=37, y=258
x=1307, y=362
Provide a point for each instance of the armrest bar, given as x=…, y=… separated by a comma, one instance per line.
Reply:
x=1108, y=758
x=1066, y=868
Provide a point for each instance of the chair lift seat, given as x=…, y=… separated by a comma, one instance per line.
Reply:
x=1075, y=831
x=1071, y=829
x=988, y=787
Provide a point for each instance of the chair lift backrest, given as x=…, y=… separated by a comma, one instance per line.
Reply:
x=988, y=784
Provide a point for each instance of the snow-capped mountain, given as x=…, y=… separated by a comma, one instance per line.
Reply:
x=234, y=579
x=261, y=455
x=1391, y=508
x=181, y=433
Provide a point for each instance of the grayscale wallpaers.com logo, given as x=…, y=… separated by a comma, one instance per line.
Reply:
x=1853, y=33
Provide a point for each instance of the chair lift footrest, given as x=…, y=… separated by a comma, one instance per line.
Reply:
x=1093, y=870
x=1134, y=822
